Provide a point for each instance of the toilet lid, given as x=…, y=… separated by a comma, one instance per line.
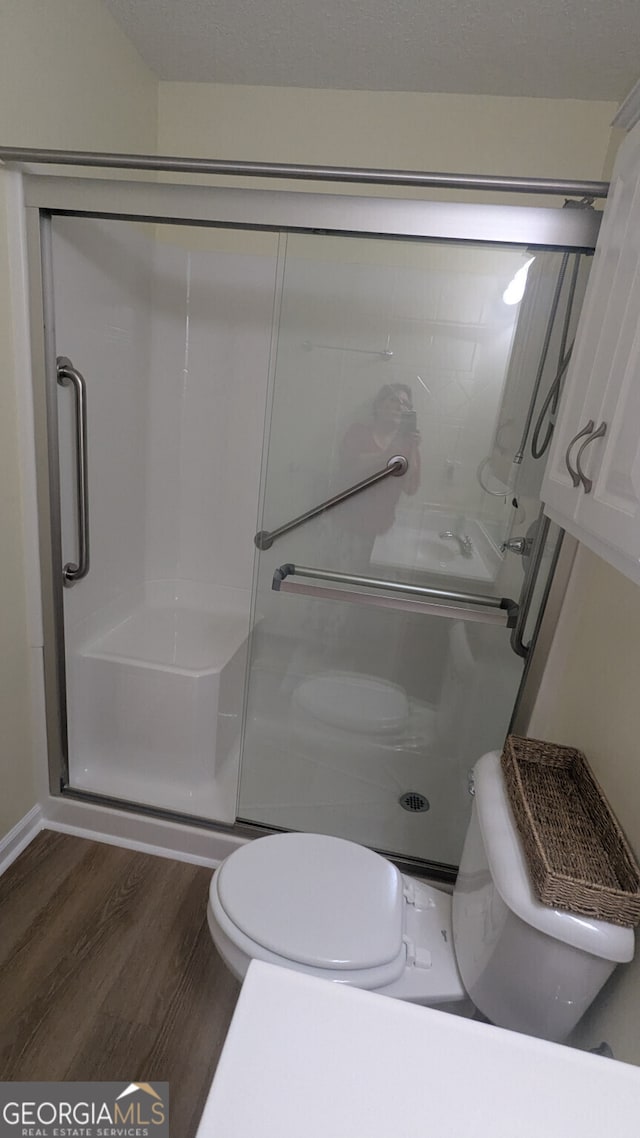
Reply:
x=353, y=701
x=315, y=900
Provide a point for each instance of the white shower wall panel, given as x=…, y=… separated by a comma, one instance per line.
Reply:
x=210, y=343
x=102, y=309
x=357, y=315
x=164, y=405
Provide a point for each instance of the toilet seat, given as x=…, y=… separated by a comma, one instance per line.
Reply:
x=335, y=910
x=238, y=950
x=347, y=901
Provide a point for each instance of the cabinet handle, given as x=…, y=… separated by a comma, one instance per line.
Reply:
x=575, y=477
x=588, y=482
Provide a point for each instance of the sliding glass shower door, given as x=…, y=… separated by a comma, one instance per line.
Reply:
x=381, y=663
x=210, y=365
x=162, y=336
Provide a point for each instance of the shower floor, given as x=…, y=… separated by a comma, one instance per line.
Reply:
x=303, y=792
x=299, y=775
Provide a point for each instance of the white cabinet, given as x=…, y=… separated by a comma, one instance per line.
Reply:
x=592, y=482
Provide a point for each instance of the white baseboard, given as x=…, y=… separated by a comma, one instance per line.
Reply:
x=138, y=832
x=118, y=828
x=19, y=837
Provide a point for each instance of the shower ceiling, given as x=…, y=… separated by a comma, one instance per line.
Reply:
x=559, y=49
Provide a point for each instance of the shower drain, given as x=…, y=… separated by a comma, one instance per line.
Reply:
x=413, y=801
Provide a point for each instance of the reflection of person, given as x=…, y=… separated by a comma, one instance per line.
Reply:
x=365, y=449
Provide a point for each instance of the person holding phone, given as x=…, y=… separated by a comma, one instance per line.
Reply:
x=366, y=448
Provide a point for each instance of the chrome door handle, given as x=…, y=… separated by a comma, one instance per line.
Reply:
x=600, y=433
x=440, y=602
x=69, y=376
x=575, y=477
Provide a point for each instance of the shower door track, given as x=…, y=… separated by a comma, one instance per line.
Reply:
x=293, y=211
x=46, y=196
x=243, y=828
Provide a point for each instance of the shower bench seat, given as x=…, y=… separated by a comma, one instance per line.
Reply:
x=159, y=705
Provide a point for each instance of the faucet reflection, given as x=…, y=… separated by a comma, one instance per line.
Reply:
x=465, y=542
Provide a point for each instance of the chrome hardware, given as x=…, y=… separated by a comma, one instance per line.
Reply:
x=519, y=545
x=531, y=575
x=414, y=801
x=599, y=434
x=575, y=477
x=414, y=597
x=420, y=178
x=519, y=455
x=465, y=542
x=471, y=783
x=396, y=467
x=69, y=376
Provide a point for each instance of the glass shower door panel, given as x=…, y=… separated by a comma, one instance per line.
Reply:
x=171, y=329
x=364, y=722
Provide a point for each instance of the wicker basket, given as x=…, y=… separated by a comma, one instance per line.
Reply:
x=578, y=856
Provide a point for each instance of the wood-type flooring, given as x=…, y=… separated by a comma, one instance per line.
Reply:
x=108, y=971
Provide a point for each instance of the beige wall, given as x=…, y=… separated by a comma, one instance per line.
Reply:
x=590, y=699
x=386, y=129
x=69, y=79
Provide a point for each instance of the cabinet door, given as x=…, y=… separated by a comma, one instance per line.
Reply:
x=580, y=404
x=603, y=384
x=611, y=510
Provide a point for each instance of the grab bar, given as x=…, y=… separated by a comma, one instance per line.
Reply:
x=529, y=585
x=396, y=466
x=501, y=610
x=69, y=376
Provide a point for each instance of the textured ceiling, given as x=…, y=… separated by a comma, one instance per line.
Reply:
x=582, y=49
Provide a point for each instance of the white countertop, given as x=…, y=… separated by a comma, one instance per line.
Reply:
x=305, y=1058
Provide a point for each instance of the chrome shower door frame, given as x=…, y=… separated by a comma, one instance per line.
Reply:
x=249, y=209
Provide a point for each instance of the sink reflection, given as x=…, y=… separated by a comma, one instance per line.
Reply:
x=438, y=543
x=437, y=551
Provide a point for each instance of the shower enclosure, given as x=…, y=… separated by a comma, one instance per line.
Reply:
x=216, y=364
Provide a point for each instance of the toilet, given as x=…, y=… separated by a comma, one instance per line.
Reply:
x=339, y=911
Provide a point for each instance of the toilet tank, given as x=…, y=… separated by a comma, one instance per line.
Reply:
x=526, y=966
